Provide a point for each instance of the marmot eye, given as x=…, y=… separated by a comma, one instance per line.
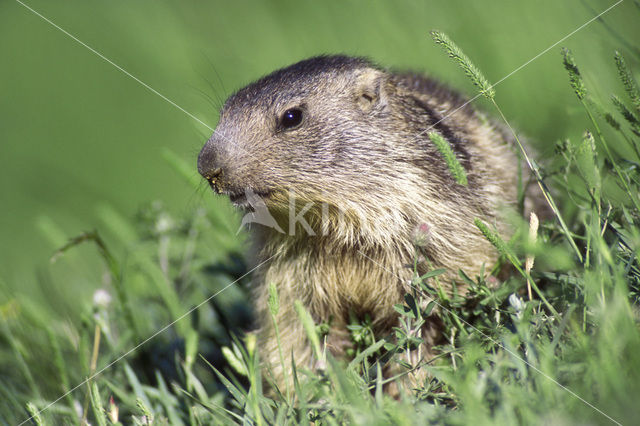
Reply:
x=291, y=118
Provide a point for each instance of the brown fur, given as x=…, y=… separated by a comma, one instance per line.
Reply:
x=362, y=157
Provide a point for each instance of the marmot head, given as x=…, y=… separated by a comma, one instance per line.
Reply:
x=330, y=129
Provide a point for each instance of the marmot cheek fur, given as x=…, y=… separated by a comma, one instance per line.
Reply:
x=346, y=143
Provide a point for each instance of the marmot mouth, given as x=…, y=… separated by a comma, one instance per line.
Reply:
x=250, y=198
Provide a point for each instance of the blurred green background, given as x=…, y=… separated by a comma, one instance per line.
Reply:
x=80, y=139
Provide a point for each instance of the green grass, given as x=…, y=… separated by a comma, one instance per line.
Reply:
x=570, y=354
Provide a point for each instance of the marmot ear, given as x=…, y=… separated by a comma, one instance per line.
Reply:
x=370, y=91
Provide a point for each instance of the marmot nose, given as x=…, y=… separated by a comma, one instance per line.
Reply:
x=207, y=161
x=208, y=165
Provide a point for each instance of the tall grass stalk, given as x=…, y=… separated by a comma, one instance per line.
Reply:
x=456, y=169
x=114, y=270
x=629, y=83
x=274, y=308
x=576, y=79
x=465, y=63
x=488, y=91
x=505, y=251
x=92, y=369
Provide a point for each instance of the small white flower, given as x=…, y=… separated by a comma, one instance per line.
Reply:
x=517, y=304
x=77, y=406
x=101, y=298
x=164, y=224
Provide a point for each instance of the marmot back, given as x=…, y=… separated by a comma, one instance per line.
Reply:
x=333, y=154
